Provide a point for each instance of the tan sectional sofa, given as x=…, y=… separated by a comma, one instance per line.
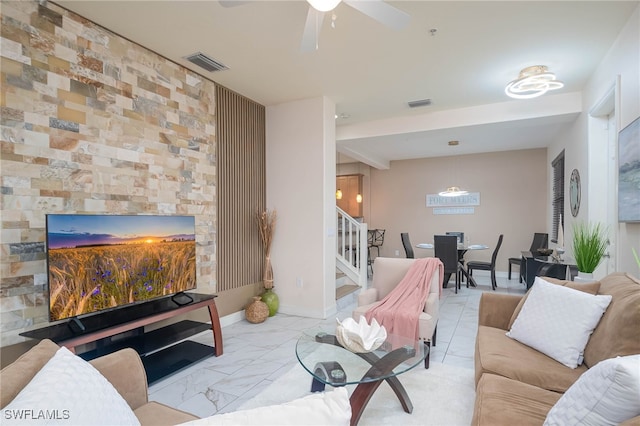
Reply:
x=516, y=384
x=126, y=373
x=123, y=369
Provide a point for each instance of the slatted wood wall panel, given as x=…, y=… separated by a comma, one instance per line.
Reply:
x=241, y=188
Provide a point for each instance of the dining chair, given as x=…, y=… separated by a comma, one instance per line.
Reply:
x=408, y=249
x=445, y=248
x=375, y=239
x=540, y=240
x=487, y=266
x=460, y=236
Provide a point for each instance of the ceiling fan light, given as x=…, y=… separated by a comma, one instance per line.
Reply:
x=453, y=191
x=532, y=82
x=324, y=5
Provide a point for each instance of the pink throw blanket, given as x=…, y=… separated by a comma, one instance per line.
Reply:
x=400, y=310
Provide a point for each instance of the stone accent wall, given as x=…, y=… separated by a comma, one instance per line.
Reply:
x=92, y=123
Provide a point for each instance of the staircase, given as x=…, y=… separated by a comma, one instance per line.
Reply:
x=351, y=252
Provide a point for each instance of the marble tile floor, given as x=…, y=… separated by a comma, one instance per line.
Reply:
x=257, y=354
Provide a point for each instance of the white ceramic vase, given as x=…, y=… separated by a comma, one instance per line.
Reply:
x=584, y=277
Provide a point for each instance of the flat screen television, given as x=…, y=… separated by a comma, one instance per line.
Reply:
x=98, y=262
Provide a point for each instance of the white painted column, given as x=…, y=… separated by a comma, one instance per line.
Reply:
x=300, y=158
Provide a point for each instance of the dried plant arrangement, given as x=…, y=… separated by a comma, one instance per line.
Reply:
x=267, y=225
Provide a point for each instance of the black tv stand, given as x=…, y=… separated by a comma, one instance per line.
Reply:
x=125, y=327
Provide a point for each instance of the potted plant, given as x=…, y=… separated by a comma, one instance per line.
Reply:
x=589, y=245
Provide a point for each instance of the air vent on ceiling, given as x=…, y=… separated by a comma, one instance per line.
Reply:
x=419, y=103
x=203, y=61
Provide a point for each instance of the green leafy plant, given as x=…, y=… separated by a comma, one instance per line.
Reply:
x=636, y=256
x=589, y=245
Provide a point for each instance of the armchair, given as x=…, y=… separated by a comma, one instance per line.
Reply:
x=388, y=272
x=540, y=240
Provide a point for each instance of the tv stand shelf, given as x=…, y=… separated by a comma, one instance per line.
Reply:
x=124, y=327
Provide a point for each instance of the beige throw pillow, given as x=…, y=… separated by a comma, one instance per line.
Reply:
x=557, y=321
x=590, y=288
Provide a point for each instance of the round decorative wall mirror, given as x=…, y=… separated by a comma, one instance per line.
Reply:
x=574, y=192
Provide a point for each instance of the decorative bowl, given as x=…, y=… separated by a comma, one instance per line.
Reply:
x=359, y=336
x=545, y=251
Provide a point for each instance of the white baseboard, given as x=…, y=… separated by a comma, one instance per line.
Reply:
x=232, y=318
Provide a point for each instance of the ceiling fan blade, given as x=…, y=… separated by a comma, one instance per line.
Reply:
x=382, y=12
x=232, y=3
x=311, y=30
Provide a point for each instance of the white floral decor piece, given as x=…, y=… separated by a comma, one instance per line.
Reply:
x=360, y=336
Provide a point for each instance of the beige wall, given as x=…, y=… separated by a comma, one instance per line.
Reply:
x=513, y=201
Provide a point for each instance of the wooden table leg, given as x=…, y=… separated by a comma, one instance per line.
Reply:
x=364, y=391
x=215, y=327
x=379, y=367
x=470, y=279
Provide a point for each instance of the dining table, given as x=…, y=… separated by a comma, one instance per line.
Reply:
x=462, y=250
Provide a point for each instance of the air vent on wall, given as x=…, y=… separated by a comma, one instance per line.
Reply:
x=203, y=61
x=420, y=103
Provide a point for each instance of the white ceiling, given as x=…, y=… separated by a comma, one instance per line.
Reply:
x=371, y=71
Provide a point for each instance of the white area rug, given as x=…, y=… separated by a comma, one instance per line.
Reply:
x=443, y=395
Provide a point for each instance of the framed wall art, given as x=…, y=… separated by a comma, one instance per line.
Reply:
x=629, y=173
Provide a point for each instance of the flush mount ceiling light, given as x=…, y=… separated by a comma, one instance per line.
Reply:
x=453, y=191
x=532, y=82
x=324, y=5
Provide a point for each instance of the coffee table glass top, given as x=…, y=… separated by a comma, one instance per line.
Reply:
x=319, y=352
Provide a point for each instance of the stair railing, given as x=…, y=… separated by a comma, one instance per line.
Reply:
x=351, y=247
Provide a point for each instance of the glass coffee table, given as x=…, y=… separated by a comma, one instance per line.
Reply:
x=329, y=363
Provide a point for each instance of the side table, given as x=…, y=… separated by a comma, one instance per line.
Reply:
x=329, y=363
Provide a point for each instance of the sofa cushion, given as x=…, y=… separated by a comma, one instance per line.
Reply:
x=68, y=390
x=590, y=288
x=498, y=354
x=15, y=376
x=606, y=394
x=558, y=321
x=326, y=408
x=618, y=333
x=502, y=401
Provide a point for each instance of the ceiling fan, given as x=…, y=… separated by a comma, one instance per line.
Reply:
x=376, y=9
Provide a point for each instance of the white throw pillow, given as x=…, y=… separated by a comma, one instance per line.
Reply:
x=68, y=391
x=326, y=408
x=558, y=321
x=606, y=394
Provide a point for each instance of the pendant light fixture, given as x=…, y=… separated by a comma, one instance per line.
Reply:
x=532, y=82
x=453, y=191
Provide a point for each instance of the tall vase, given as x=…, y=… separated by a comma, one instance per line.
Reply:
x=272, y=301
x=267, y=273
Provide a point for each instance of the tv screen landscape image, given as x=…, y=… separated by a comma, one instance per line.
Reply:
x=97, y=262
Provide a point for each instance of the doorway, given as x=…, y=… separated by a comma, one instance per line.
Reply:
x=602, y=185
